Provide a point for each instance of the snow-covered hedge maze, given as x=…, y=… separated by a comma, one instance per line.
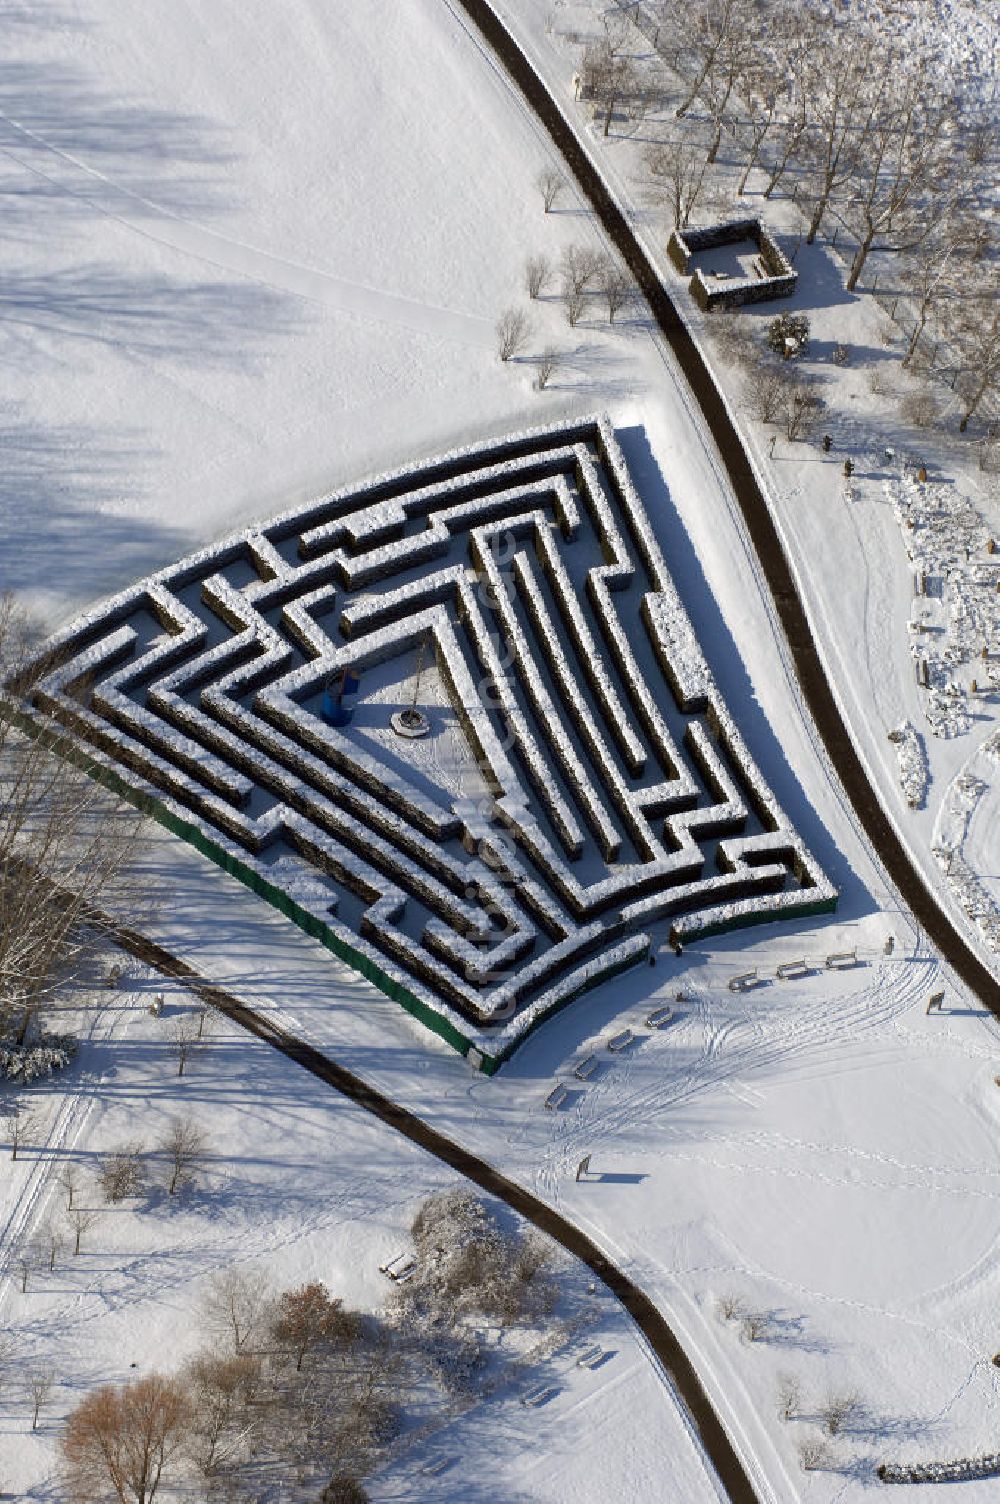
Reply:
x=582, y=778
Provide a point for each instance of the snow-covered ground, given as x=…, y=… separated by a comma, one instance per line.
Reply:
x=299, y=1185
x=262, y=258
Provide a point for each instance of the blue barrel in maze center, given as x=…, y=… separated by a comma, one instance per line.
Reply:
x=339, y=694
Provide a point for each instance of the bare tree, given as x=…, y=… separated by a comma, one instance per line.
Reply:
x=25, y=1263
x=120, y=1174
x=976, y=332
x=789, y=1396
x=537, y=271
x=65, y=850
x=546, y=366
x=81, y=1221
x=839, y=1407
x=844, y=84
x=39, y=1388
x=730, y=1307
x=574, y=301
x=550, y=183
x=126, y=1440
x=789, y=130
x=236, y=1305
x=920, y=407
x=512, y=330
x=800, y=405
x=617, y=288
x=69, y=1180
x=185, y=1146
x=762, y=112
x=580, y=264
x=712, y=27
x=305, y=1317
x=737, y=54
x=185, y=1034
x=815, y=1454
x=344, y=1488
x=766, y=392
x=905, y=159
x=676, y=176
x=21, y=1125
x=220, y=1388
x=932, y=271
x=609, y=78
x=755, y=1326
x=732, y=332
x=52, y=1242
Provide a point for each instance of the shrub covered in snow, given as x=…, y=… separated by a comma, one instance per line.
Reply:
x=914, y=770
x=964, y=1469
x=121, y=1173
x=788, y=334
x=468, y=1264
x=28, y=1062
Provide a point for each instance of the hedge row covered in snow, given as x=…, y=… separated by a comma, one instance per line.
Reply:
x=961, y=1471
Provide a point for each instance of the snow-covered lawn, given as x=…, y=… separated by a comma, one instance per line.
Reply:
x=254, y=261
x=301, y=1185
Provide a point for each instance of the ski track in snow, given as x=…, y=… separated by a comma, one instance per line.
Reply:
x=225, y=253
x=64, y=1130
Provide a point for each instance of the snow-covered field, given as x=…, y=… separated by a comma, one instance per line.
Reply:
x=299, y=1185
x=262, y=258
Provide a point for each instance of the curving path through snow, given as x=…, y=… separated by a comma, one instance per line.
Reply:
x=679, y=1370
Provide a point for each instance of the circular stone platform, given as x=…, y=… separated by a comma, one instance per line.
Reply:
x=410, y=723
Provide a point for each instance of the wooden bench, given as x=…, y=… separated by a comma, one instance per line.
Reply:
x=790, y=970
x=400, y=1268
x=591, y=1357
x=659, y=1017
x=839, y=960
x=436, y=1466
x=538, y=1396
x=619, y=1042
x=586, y=1068
x=743, y=981
x=556, y=1097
